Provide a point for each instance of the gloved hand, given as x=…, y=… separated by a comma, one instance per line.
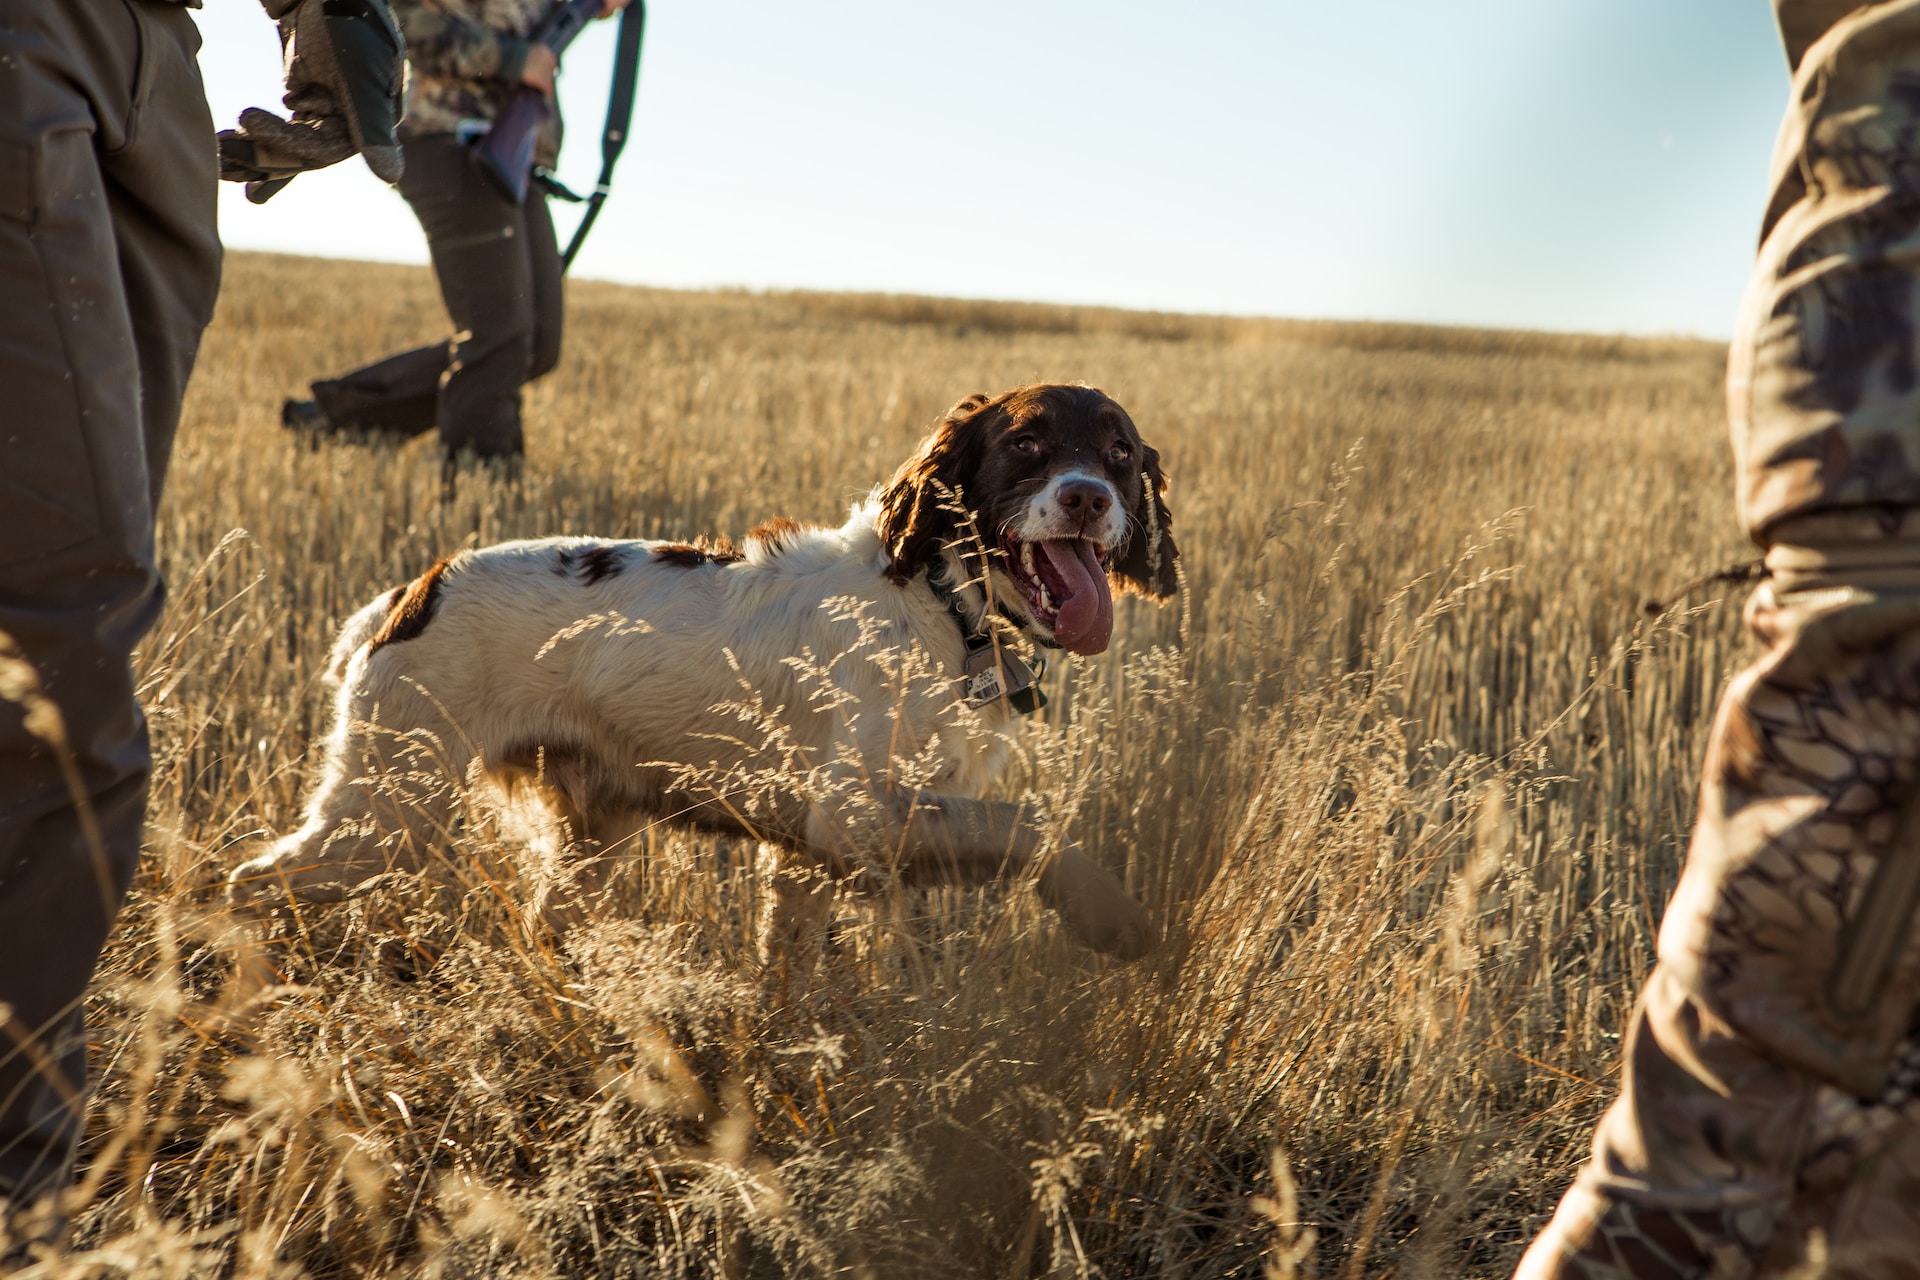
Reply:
x=344, y=64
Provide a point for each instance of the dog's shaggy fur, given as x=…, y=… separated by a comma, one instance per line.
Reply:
x=803, y=689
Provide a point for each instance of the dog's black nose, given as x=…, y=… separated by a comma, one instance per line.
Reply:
x=1086, y=498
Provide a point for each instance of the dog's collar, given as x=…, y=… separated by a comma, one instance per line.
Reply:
x=991, y=670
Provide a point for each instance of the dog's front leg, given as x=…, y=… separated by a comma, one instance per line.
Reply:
x=796, y=910
x=944, y=839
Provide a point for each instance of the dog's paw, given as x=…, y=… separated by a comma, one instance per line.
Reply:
x=255, y=883
x=1094, y=906
x=272, y=879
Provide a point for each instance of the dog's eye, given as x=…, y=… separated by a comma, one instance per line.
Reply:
x=1026, y=444
x=1120, y=452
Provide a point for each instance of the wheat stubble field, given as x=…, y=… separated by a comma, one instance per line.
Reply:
x=1405, y=784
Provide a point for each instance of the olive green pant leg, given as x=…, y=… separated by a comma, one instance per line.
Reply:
x=109, y=264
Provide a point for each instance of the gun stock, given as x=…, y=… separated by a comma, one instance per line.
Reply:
x=505, y=154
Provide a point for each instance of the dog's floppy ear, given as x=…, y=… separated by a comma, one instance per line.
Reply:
x=916, y=519
x=1146, y=563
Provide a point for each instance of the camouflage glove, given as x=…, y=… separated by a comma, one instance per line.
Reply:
x=344, y=62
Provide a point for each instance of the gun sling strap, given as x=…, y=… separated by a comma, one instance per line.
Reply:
x=613, y=137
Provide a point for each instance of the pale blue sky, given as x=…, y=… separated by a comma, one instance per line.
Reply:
x=1568, y=164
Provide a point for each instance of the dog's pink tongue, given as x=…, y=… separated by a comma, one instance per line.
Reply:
x=1085, y=621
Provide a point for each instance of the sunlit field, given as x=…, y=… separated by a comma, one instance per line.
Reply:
x=1404, y=779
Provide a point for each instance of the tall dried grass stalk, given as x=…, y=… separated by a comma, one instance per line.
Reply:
x=1403, y=781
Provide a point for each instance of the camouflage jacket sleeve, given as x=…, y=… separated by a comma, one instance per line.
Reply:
x=1821, y=387
x=446, y=44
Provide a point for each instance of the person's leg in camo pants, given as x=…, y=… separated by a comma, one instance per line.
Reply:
x=1768, y=1123
x=109, y=264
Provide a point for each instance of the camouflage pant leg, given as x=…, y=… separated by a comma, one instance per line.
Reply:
x=1761, y=1105
x=1762, y=1124
x=1850, y=1210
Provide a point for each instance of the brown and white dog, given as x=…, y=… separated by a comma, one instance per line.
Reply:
x=841, y=695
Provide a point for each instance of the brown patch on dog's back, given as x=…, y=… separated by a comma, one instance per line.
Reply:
x=594, y=564
x=681, y=554
x=600, y=563
x=410, y=608
x=779, y=533
x=691, y=555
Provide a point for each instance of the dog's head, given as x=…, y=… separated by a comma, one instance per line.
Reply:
x=1063, y=493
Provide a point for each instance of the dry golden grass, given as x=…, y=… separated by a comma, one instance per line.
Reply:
x=1405, y=783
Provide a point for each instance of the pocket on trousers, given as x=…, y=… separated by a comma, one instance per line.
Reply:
x=16, y=180
x=54, y=270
